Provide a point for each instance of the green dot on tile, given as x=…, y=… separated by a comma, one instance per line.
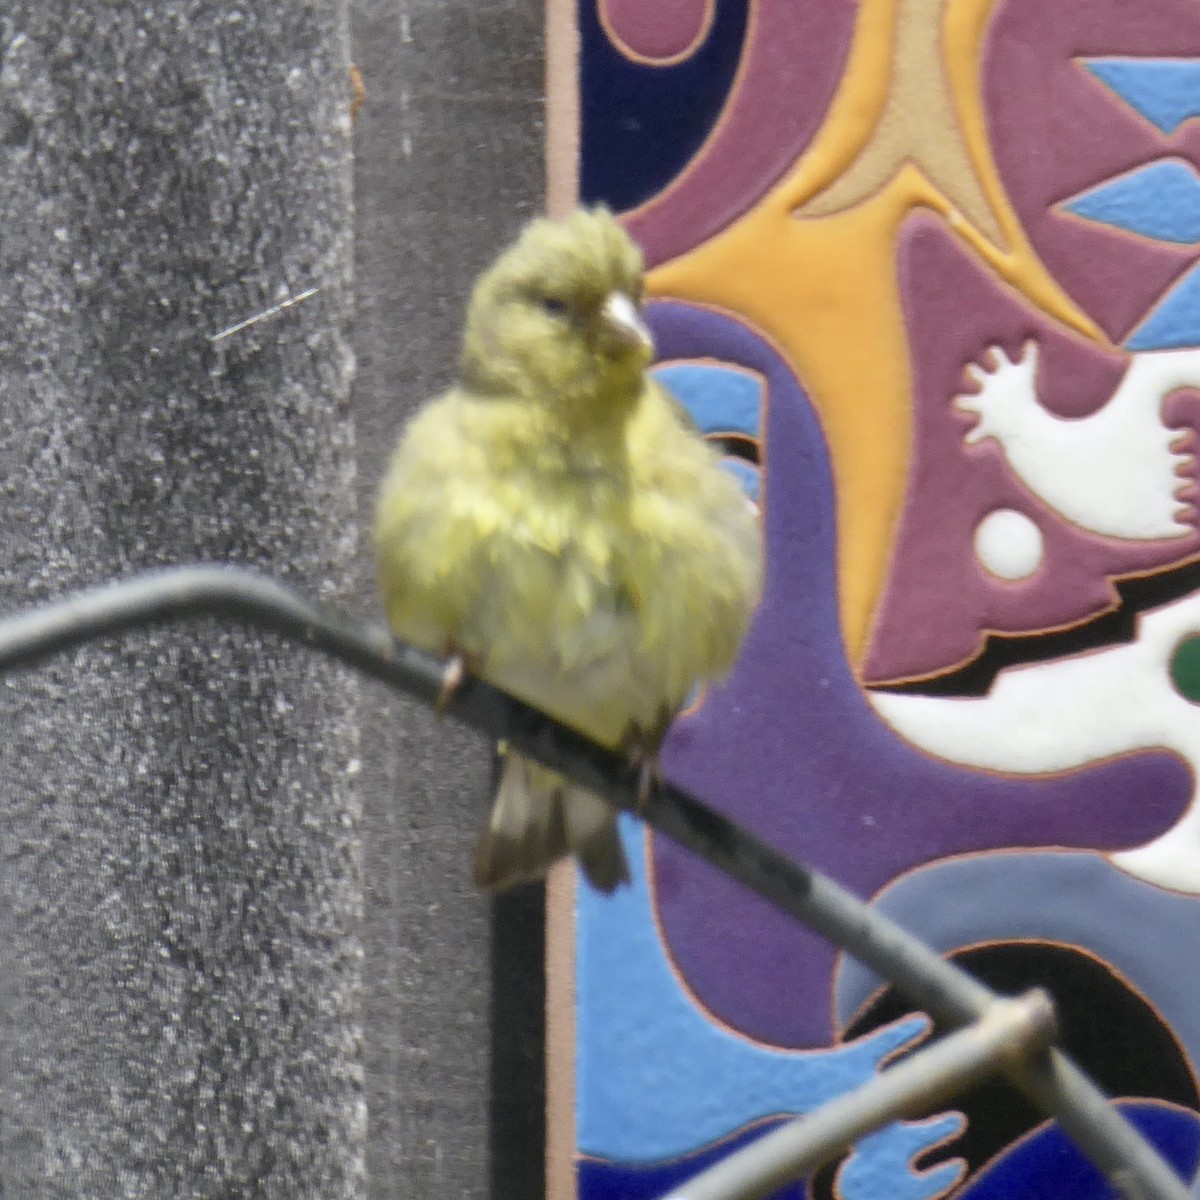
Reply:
x=1185, y=668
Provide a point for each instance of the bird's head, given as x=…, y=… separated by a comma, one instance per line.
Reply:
x=557, y=318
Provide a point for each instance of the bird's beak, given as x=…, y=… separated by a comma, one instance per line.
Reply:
x=622, y=327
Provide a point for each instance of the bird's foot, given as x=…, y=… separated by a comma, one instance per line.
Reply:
x=454, y=674
x=640, y=747
x=650, y=776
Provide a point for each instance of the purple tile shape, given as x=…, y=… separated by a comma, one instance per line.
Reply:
x=1145, y=932
x=792, y=63
x=1047, y=1164
x=603, y=1179
x=938, y=600
x=790, y=747
x=1056, y=131
x=659, y=30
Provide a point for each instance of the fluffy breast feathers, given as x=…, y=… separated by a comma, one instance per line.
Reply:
x=599, y=576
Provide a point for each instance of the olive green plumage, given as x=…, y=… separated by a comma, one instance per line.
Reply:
x=554, y=519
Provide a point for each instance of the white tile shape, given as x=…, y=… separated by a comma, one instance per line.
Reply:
x=1071, y=713
x=1113, y=472
x=1009, y=545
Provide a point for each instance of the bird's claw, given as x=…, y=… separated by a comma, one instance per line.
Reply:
x=649, y=778
x=640, y=748
x=453, y=676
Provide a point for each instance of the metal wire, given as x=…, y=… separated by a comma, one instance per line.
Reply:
x=1013, y=1030
x=943, y=990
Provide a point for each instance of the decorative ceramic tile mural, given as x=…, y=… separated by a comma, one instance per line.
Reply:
x=928, y=271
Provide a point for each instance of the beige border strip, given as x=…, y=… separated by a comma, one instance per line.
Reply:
x=562, y=108
x=562, y=194
x=560, y=1032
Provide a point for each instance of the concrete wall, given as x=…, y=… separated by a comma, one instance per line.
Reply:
x=448, y=167
x=235, y=916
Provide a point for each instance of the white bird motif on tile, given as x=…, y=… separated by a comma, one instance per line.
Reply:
x=1115, y=472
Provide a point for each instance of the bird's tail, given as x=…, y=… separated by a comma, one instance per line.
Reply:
x=538, y=817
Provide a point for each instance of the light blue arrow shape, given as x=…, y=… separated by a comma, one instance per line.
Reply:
x=1160, y=201
x=1166, y=91
x=1175, y=323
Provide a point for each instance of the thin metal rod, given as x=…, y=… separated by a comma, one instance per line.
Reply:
x=282, y=306
x=1012, y=1031
x=946, y=992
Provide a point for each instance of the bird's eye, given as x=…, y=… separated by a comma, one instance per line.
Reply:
x=554, y=306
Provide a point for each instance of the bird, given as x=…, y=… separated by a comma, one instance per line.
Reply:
x=554, y=524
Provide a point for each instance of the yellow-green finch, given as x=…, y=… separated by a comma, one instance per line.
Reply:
x=555, y=521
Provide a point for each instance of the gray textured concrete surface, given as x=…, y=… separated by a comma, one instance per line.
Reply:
x=180, y=877
x=203, y=829
x=448, y=152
